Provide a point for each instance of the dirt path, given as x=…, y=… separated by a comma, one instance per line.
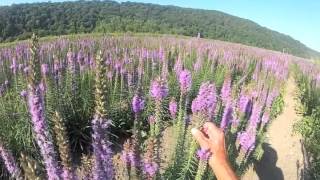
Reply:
x=283, y=157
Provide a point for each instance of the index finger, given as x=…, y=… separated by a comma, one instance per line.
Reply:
x=211, y=129
x=200, y=137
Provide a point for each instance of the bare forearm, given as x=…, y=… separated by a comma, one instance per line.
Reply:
x=222, y=170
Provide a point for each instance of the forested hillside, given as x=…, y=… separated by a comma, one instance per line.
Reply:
x=19, y=21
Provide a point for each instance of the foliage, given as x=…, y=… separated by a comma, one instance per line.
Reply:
x=309, y=126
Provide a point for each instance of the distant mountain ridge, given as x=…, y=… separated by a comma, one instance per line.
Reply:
x=19, y=21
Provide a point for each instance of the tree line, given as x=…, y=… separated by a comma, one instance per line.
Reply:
x=18, y=22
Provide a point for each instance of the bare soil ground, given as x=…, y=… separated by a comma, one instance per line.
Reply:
x=283, y=157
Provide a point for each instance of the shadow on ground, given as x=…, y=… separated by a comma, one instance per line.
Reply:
x=266, y=169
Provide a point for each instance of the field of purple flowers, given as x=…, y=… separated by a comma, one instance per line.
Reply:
x=100, y=107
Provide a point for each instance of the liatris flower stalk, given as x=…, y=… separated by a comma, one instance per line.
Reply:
x=44, y=69
x=30, y=167
x=14, y=66
x=36, y=109
x=243, y=104
x=173, y=108
x=185, y=81
x=202, y=107
x=247, y=141
x=158, y=91
x=255, y=116
x=137, y=104
x=24, y=94
x=205, y=102
x=134, y=156
x=84, y=172
x=103, y=166
x=127, y=153
x=226, y=91
x=203, y=155
x=10, y=163
x=227, y=116
x=64, y=147
x=150, y=167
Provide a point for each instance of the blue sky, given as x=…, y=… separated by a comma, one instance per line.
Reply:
x=298, y=18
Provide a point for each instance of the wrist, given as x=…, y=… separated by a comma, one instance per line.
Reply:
x=218, y=160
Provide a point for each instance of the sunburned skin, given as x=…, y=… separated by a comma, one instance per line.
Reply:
x=212, y=138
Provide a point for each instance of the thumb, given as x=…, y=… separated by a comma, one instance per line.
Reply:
x=200, y=138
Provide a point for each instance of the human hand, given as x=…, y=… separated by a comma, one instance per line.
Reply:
x=211, y=138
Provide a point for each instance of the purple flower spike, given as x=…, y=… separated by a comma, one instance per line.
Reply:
x=206, y=100
x=247, y=141
x=150, y=168
x=14, y=65
x=103, y=167
x=255, y=116
x=185, y=80
x=227, y=116
x=43, y=137
x=9, y=162
x=173, y=108
x=159, y=89
x=23, y=94
x=137, y=104
x=204, y=154
x=44, y=69
x=26, y=70
x=226, y=91
x=243, y=103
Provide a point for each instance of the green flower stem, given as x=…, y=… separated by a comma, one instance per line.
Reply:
x=202, y=166
x=157, y=131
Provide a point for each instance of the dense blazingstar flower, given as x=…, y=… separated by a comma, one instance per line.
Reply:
x=43, y=137
x=226, y=91
x=227, y=115
x=159, y=89
x=36, y=110
x=255, y=116
x=243, y=103
x=206, y=100
x=125, y=156
x=247, y=141
x=63, y=144
x=103, y=168
x=26, y=70
x=9, y=162
x=137, y=104
x=173, y=108
x=150, y=168
x=14, y=66
x=44, y=69
x=23, y=93
x=185, y=81
x=204, y=154
x=178, y=66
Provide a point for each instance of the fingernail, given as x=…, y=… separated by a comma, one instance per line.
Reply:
x=193, y=130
